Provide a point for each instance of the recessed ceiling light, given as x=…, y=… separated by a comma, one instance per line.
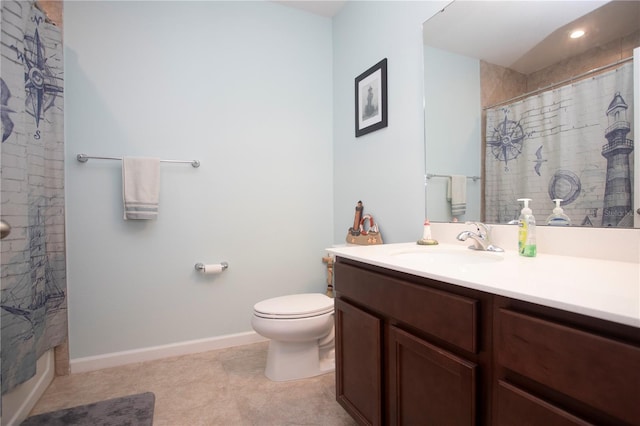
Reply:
x=576, y=34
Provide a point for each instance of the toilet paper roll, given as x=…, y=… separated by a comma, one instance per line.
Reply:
x=215, y=268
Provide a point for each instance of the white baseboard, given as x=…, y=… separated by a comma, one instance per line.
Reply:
x=98, y=362
x=17, y=404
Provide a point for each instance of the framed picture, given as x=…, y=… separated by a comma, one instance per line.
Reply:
x=371, y=99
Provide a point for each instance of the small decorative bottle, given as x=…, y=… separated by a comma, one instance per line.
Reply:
x=427, y=239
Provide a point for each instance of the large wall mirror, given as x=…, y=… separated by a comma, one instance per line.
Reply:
x=517, y=108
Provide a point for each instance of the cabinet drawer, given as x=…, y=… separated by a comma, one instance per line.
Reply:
x=444, y=315
x=517, y=407
x=570, y=361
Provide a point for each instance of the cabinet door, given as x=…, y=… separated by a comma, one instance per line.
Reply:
x=358, y=363
x=428, y=385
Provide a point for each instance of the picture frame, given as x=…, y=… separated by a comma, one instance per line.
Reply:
x=371, y=99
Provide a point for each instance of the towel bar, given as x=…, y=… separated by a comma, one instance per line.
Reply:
x=83, y=158
x=430, y=175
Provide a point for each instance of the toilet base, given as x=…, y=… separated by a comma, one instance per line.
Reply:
x=297, y=360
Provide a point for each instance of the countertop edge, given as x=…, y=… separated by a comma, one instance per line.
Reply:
x=546, y=296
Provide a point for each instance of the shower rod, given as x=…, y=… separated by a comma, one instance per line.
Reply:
x=83, y=158
x=560, y=83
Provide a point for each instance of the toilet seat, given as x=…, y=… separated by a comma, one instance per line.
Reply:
x=294, y=306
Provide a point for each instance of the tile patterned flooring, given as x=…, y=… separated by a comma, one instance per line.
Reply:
x=223, y=387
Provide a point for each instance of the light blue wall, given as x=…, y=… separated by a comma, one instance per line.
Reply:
x=384, y=169
x=452, y=129
x=244, y=87
x=262, y=95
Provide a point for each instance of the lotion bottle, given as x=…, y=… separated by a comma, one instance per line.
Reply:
x=558, y=218
x=526, y=230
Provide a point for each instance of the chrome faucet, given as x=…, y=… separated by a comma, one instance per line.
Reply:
x=481, y=238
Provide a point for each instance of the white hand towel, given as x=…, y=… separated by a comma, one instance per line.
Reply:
x=457, y=194
x=140, y=187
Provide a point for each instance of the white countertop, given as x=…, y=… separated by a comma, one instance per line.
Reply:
x=604, y=289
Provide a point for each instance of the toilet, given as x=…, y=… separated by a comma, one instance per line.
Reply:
x=301, y=330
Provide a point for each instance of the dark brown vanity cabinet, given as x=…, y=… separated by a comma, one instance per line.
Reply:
x=415, y=351
x=407, y=353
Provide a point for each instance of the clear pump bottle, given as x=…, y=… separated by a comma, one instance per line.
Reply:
x=558, y=217
x=526, y=231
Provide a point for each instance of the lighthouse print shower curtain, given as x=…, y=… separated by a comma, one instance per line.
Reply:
x=33, y=276
x=573, y=143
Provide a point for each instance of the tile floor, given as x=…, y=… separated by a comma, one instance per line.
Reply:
x=224, y=387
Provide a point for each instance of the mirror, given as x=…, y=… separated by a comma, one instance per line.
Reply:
x=517, y=109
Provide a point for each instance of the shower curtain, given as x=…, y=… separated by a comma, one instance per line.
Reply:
x=574, y=143
x=33, y=277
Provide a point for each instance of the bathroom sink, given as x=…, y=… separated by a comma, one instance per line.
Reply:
x=432, y=255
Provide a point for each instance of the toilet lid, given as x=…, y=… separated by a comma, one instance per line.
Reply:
x=294, y=306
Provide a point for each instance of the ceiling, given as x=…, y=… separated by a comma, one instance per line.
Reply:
x=328, y=8
x=524, y=35
x=510, y=29
x=463, y=38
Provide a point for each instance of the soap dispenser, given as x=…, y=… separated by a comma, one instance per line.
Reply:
x=558, y=218
x=526, y=230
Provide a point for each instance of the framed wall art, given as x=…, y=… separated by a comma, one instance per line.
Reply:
x=371, y=99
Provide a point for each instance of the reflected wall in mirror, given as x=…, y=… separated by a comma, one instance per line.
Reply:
x=545, y=117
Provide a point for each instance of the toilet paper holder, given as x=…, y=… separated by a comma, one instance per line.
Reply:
x=200, y=266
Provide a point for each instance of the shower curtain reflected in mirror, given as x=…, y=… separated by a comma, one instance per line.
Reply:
x=574, y=142
x=33, y=277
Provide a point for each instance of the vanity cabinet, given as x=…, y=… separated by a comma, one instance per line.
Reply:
x=408, y=352
x=412, y=350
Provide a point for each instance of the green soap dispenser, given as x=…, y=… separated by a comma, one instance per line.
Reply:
x=526, y=230
x=558, y=218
